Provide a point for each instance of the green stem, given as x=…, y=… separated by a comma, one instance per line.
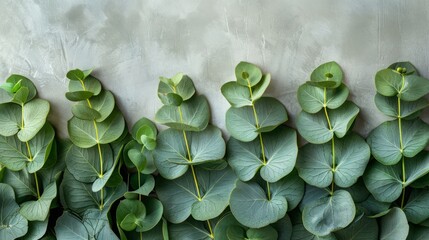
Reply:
x=264, y=159
x=101, y=174
x=332, y=141
x=401, y=145
x=37, y=185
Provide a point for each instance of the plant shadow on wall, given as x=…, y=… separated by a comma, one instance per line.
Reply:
x=185, y=182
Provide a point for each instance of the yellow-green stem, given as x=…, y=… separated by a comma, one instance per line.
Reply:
x=37, y=185
x=332, y=141
x=401, y=145
x=264, y=159
x=194, y=174
x=101, y=174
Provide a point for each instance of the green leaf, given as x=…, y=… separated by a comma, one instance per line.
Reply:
x=259, y=89
x=241, y=123
x=104, y=103
x=12, y=155
x=13, y=224
x=82, y=111
x=247, y=74
x=362, y=228
x=191, y=115
x=283, y=228
x=83, y=133
x=394, y=225
x=101, y=181
x=329, y=214
x=290, y=187
x=385, y=140
x=171, y=154
x=418, y=233
x=389, y=106
x=69, y=227
x=97, y=224
x=327, y=75
x=139, y=216
x=280, y=152
x=416, y=207
x=134, y=217
x=10, y=119
x=181, y=199
x=9, y=87
x=34, y=117
x=312, y=99
x=180, y=90
x=143, y=126
x=409, y=66
x=147, y=184
x=79, y=95
x=84, y=163
x=236, y=94
x=264, y=211
x=414, y=88
x=138, y=159
x=315, y=129
x=190, y=229
x=265, y=233
x=76, y=75
x=21, y=182
x=40, y=147
x=36, y=230
x=38, y=210
x=27, y=90
x=388, y=82
x=91, y=84
x=385, y=181
x=351, y=157
x=300, y=233
x=227, y=221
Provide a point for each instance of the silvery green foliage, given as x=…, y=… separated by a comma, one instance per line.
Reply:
x=399, y=176
x=91, y=182
x=195, y=181
x=333, y=160
x=262, y=152
x=29, y=169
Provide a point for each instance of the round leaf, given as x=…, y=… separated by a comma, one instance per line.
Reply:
x=315, y=163
x=34, y=117
x=241, y=123
x=91, y=84
x=385, y=140
x=75, y=75
x=394, y=225
x=315, y=129
x=388, y=82
x=179, y=88
x=236, y=94
x=39, y=210
x=389, y=106
x=264, y=211
x=104, y=103
x=78, y=95
x=82, y=111
x=327, y=75
x=247, y=74
x=17, y=225
x=191, y=115
x=329, y=214
x=312, y=99
x=30, y=91
x=416, y=208
x=362, y=228
x=10, y=119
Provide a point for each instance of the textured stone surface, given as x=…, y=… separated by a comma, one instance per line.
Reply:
x=131, y=43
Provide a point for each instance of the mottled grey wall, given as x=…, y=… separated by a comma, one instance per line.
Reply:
x=131, y=43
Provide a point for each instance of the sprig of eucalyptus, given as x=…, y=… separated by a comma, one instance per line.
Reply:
x=138, y=215
x=334, y=158
x=97, y=130
x=28, y=157
x=262, y=153
x=398, y=176
x=196, y=180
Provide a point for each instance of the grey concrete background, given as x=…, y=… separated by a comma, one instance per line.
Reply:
x=131, y=43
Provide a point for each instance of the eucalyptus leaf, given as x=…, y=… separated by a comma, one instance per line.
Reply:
x=291, y=187
x=388, y=82
x=409, y=66
x=418, y=232
x=147, y=184
x=84, y=163
x=25, y=84
x=34, y=117
x=36, y=230
x=389, y=106
x=143, y=126
x=21, y=96
x=237, y=95
x=75, y=75
x=385, y=140
x=327, y=75
x=315, y=163
x=264, y=211
x=91, y=84
x=414, y=88
x=85, y=134
x=182, y=89
x=394, y=225
x=191, y=115
x=104, y=103
x=241, y=122
x=362, y=228
x=181, y=199
x=69, y=227
x=21, y=182
x=315, y=128
x=280, y=152
x=226, y=222
x=78, y=95
x=416, y=208
x=38, y=210
x=385, y=181
x=10, y=119
x=82, y=111
x=300, y=233
x=171, y=154
x=329, y=214
x=312, y=99
x=102, y=179
x=97, y=224
x=17, y=225
x=247, y=74
x=189, y=230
